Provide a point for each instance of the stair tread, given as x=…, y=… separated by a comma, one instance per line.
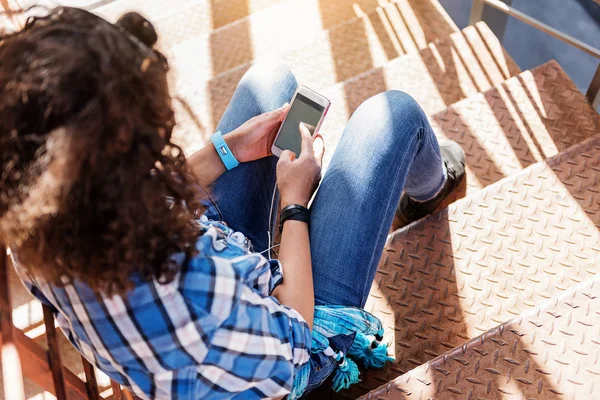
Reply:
x=441, y=75
x=338, y=59
x=539, y=354
x=437, y=76
x=227, y=11
x=229, y=21
x=184, y=19
x=285, y=27
x=524, y=120
x=504, y=249
x=153, y=10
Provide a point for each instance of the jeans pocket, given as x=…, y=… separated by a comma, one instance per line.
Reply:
x=321, y=366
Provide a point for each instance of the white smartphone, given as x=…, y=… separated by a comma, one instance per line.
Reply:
x=307, y=106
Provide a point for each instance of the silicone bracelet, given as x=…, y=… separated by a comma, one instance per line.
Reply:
x=223, y=151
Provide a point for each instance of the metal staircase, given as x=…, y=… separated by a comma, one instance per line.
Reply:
x=494, y=296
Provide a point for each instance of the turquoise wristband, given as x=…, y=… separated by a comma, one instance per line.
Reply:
x=223, y=151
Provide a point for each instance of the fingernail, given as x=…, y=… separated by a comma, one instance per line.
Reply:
x=286, y=105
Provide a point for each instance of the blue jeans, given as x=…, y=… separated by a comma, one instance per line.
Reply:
x=387, y=147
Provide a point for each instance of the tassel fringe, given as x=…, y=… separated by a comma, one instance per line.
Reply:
x=369, y=353
x=346, y=374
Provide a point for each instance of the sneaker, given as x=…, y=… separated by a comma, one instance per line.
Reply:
x=410, y=210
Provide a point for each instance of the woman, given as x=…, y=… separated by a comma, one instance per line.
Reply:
x=149, y=277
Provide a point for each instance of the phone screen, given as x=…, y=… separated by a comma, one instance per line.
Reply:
x=303, y=110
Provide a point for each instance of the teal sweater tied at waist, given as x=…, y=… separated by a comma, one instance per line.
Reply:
x=342, y=337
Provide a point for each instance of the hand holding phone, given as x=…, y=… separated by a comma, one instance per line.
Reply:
x=307, y=107
x=253, y=139
x=298, y=177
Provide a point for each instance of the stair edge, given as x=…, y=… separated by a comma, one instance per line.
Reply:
x=385, y=388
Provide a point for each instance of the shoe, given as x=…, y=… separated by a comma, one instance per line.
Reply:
x=410, y=210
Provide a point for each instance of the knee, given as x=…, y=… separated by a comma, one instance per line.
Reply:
x=402, y=103
x=268, y=74
x=390, y=111
x=389, y=105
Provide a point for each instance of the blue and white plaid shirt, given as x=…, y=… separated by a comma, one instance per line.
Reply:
x=213, y=332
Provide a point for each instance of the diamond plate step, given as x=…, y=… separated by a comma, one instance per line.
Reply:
x=286, y=25
x=292, y=25
x=526, y=119
x=153, y=10
x=446, y=72
x=344, y=51
x=449, y=70
x=501, y=251
x=184, y=19
x=474, y=58
x=226, y=22
x=548, y=353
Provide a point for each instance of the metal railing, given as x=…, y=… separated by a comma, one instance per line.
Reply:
x=478, y=13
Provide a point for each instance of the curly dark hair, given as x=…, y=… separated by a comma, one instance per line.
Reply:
x=91, y=185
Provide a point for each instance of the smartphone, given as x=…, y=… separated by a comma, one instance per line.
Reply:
x=307, y=106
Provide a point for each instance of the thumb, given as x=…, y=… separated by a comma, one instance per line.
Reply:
x=278, y=114
x=307, y=142
x=319, y=148
x=286, y=156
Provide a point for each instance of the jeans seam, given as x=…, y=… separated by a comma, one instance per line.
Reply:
x=398, y=170
x=420, y=136
x=429, y=143
x=445, y=177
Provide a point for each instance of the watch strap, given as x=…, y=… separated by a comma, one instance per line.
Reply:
x=294, y=212
x=224, y=151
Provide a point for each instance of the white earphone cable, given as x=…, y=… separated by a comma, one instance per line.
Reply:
x=271, y=222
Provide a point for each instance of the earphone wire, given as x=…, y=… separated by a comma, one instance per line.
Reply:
x=269, y=228
x=270, y=248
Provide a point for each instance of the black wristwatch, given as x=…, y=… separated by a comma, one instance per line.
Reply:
x=294, y=212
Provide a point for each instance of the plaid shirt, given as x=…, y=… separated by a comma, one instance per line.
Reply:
x=213, y=332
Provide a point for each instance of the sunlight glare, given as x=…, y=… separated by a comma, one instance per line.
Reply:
x=530, y=115
x=27, y=314
x=11, y=372
x=43, y=396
